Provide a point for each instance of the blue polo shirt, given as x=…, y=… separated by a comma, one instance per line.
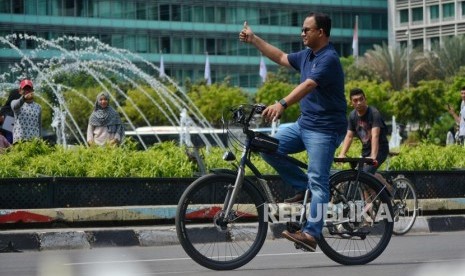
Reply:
x=325, y=107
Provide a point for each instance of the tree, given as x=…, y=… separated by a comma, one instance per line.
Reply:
x=273, y=90
x=149, y=107
x=446, y=59
x=80, y=104
x=357, y=71
x=422, y=104
x=438, y=131
x=212, y=100
x=452, y=94
x=390, y=64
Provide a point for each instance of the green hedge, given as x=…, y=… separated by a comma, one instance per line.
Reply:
x=37, y=158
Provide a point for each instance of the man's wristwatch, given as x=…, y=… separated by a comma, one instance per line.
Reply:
x=283, y=103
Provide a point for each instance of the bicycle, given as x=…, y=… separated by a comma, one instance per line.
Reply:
x=404, y=200
x=222, y=218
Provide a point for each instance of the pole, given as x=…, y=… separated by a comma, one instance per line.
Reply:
x=355, y=41
x=408, y=57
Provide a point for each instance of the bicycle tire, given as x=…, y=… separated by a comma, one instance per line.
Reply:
x=205, y=239
x=356, y=242
x=405, y=205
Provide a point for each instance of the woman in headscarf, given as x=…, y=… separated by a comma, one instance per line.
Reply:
x=105, y=124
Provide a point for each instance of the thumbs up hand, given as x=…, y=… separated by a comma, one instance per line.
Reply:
x=246, y=35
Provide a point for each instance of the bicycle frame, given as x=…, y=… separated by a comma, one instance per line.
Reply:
x=355, y=163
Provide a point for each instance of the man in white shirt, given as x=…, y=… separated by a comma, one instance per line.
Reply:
x=460, y=118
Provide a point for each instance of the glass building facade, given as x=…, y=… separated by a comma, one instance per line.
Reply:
x=185, y=31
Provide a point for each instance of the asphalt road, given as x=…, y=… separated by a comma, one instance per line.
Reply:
x=432, y=254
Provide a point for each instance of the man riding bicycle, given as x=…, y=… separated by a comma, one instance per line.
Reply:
x=321, y=125
x=367, y=124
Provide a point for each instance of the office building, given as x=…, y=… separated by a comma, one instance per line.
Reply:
x=421, y=23
x=185, y=31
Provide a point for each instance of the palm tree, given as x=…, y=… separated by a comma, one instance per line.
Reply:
x=389, y=63
x=446, y=58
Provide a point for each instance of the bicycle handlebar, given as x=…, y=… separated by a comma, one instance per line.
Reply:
x=365, y=160
x=242, y=114
x=354, y=161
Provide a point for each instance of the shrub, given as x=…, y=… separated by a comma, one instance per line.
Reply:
x=37, y=158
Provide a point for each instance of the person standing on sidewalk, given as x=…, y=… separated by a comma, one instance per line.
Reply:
x=459, y=118
x=8, y=115
x=4, y=143
x=28, y=114
x=322, y=123
x=105, y=125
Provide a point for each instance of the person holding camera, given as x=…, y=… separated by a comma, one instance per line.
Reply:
x=459, y=118
x=27, y=114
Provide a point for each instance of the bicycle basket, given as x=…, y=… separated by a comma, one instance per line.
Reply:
x=245, y=122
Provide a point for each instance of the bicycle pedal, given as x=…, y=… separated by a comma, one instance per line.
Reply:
x=303, y=248
x=293, y=227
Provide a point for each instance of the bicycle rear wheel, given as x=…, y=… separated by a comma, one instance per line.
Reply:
x=351, y=236
x=404, y=205
x=212, y=238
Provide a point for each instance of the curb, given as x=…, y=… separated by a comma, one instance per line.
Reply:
x=153, y=213
x=58, y=239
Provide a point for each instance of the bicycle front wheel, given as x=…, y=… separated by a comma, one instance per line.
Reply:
x=213, y=238
x=359, y=225
x=404, y=205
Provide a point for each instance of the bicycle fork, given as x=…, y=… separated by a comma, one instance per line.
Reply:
x=233, y=190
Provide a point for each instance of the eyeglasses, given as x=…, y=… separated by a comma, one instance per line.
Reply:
x=305, y=30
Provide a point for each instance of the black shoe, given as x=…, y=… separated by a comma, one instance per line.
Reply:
x=297, y=198
x=302, y=239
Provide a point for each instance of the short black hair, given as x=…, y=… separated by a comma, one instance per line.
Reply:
x=356, y=91
x=322, y=22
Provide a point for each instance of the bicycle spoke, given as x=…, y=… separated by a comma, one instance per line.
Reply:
x=405, y=205
x=365, y=228
x=212, y=238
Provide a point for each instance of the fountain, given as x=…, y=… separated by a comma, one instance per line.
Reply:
x=394, y=142
x=112, y=70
